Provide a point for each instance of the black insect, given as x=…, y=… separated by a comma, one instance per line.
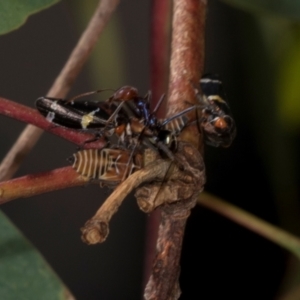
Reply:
x=127, y=123
x=125, y=116
x=216, y=120
x=87, y=115
x=213, y=115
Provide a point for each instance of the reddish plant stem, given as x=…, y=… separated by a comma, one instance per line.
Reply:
x=61, y=86
x=187, y=61
x=29, y=115
x=35, y=184
x=159, y=69
x=159, y=46
x=187, y=57
x=165, y=273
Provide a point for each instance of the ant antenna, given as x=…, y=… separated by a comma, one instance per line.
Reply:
x=158, y=104
x=88, y=94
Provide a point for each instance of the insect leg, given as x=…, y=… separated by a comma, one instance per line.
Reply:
x=187, y=110
x=87, y=94
x=158, y=104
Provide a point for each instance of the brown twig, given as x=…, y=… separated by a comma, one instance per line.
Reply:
x=182, y=193
x=61, y=86
x=159, y=46
x=187, y=57
x=172, y=225
x=35, y=184
x=251, y=222
x=160, y=33
x=187, y=60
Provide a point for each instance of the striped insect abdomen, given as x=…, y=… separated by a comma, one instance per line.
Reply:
x=109, y=165
x=175, y=125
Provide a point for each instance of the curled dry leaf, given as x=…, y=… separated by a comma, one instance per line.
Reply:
x=184, y=183
x=186, y=180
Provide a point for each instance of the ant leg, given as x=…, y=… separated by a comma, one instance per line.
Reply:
x=159, y=103
x=148, y=144
x=187, y=110
x=176, y=123
x=166, y=150
x=87, y=94
x=97, y=136
x=112, y=116
x=115, y=112
x=148, y=97
x=128, y=163
x=139, y=140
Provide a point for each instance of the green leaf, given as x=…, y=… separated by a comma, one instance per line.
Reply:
x=14, y=13
x=24, y=274
x=285, y=8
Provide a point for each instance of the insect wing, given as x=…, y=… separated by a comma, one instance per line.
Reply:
x=75, y=115
x=212, y=85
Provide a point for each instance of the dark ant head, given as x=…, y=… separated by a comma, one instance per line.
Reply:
x=142, y=110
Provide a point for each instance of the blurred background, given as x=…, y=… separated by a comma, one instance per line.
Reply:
x=257, y=54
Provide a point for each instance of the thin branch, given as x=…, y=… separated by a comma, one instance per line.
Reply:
x=32, y=116
x=35, y=184
x=61, y=86
x=273, y=233
x=160, y=33
x=159, y=46
x=168, y=249
x=83, y=49
x=291, y=294
x=187, y=56
x=187, y=60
